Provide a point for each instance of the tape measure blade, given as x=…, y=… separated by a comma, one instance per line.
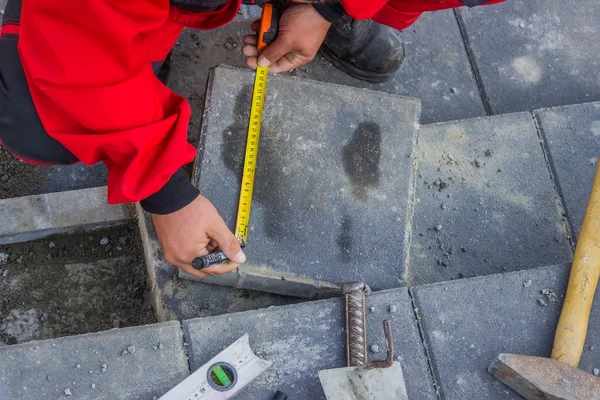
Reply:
x=251, y=155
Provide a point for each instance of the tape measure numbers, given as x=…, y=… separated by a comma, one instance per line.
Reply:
x=269, y=28
x=251, y=156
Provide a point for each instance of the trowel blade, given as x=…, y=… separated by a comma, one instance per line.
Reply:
x=360, y=383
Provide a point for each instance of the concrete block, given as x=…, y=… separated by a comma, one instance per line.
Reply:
x=467, y=323
x=572, y=136
x=34, y=217
x=485, y=201
x=303, y=339
x=97, y=365
x=176, y=299
x=333, y=188
x=547, y=55
x=436, y=70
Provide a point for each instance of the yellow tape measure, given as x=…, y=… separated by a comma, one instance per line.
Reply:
x=258, y=101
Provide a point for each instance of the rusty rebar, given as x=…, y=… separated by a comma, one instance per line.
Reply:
x=356, y=334
x=389, y=345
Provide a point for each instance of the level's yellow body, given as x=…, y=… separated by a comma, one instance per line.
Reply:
x=585, y=271
x=251, y=156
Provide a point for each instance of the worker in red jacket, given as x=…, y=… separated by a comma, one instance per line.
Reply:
x=78, y=84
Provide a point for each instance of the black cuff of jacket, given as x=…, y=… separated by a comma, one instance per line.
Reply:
x=177, y=193
x=332, y=12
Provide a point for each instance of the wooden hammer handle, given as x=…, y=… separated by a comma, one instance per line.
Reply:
x=585, y=271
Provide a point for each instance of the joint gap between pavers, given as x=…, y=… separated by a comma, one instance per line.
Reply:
x=184, y=346
x=473, y=63
x=561, y=204
x=196, y=172
x=149, y=260
x=421, y=330
x=410, y=208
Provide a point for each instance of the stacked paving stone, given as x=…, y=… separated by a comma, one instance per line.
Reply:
x=463, y=227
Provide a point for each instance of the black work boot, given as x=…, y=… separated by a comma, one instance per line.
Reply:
x=364, y=49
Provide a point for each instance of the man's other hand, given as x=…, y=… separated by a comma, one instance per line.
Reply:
x=194, y=231
x=301, y=31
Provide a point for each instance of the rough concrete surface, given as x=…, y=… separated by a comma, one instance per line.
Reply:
x=72, y=284
x=18, y=178
x=572, y=135
x=333, y=187
x=46, y=369
x=485, y=201
x=535, y=53
x=302, y=339
x=436, y=70
x=177, y=299
x=34, y=217
x=467, y=323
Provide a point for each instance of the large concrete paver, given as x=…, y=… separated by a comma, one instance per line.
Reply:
x=535, y=53
x=34, y=217
x=333, y=187
x=302, y=339
x=467, y=323
x=45, y=369
x=436, y=70
x=572, y=134
x=485, y=201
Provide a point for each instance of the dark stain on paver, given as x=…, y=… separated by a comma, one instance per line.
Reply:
x=344, y=240
x=269, y=180
x=361, y=158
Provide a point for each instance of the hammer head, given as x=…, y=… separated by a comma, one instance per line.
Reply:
x=540, y=378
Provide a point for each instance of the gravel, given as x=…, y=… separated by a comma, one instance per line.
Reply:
x=375, y=348
x=527, y=283
x=393, y=308
x=68, y=392
x=3, y=258
x=104, y=241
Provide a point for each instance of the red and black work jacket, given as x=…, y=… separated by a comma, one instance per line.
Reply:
x=78, y=84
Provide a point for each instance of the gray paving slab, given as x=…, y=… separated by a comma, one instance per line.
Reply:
x=468, y=322
x=436, y=70
x=34, y=217
x=333, y=187
x=92, y=366
x=485, y=201
x=302, y=339
x=572, y=134
x=177, y=299
x=535, y=53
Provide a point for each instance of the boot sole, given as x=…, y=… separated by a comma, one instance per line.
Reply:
x=355, y=72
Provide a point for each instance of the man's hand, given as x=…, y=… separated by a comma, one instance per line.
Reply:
x=196, y=230
x=301, y=31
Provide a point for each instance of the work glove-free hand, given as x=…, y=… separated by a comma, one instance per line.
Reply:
x=194, y=231
x=301, y=31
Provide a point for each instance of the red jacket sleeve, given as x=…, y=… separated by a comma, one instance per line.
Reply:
x=88, y=67
x=398, y=14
